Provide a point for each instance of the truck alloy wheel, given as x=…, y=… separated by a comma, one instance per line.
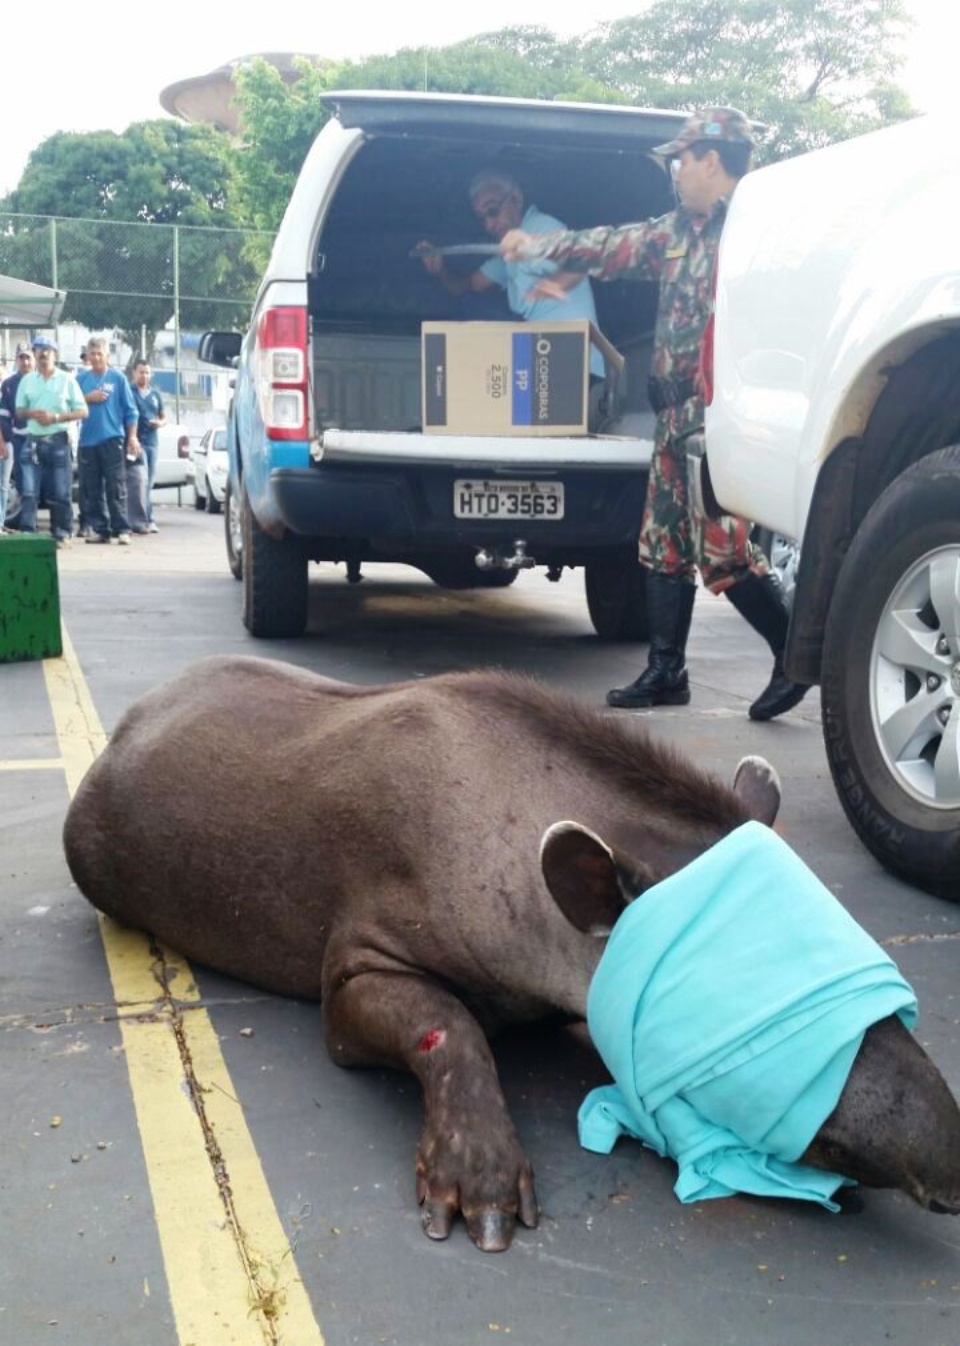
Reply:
x=891, y=677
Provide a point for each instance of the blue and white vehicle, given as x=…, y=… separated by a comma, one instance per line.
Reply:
x=328, y=460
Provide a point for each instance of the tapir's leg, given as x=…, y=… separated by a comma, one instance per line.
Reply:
x=469, y=1157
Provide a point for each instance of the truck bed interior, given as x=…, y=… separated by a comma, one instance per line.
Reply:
x=368, y=295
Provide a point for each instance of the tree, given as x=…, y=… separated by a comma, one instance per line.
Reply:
x=280, y=121
x=815, y=71
x=117, y=263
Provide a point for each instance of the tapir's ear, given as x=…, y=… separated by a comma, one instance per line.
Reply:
x=758, y=785
x=590, y=882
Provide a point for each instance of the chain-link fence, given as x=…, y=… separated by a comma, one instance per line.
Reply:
x=153, y=287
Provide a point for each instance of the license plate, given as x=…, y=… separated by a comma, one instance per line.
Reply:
x=508, y=499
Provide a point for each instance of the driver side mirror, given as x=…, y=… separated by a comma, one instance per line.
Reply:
x=220, y=348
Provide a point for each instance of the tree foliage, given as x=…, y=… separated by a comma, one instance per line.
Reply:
x=813, y=71
x=120, y=271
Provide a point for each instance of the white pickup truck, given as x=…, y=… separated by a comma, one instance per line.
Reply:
x=835, y=421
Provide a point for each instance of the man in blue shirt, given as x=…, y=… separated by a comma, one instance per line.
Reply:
x=151, y=416
x=108, y=433
x=498, y=203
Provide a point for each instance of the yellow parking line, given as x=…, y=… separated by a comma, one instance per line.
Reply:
x=230, y=1266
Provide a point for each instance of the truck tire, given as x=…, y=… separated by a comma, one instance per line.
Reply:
x=890, y=684
x=233, y=531
x=275, y=587
x=616, y=587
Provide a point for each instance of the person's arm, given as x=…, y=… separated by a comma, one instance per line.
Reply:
x=6, y=415
x=475, y=281
x=77, y=404
x=632, y=249
x=25, y=412
x=161, y=417
x=558, y=285
x=131, y=418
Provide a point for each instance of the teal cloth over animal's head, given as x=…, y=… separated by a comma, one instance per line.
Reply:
x=729, y=1006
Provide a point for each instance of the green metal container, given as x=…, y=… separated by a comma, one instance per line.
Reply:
x=29, y=598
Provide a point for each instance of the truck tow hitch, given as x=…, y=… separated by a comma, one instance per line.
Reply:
x=486, y=559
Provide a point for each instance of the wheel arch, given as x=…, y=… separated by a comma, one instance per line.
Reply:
x=901, y=408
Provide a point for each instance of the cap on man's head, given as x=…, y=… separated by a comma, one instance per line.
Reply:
x=712, y=123
x=44, y=343
x=24, y=349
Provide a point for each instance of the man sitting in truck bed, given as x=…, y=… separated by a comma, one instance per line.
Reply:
x=498, y=203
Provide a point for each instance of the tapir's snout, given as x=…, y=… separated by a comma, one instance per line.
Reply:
x=896, y=1124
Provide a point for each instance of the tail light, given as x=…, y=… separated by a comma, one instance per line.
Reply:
x=282, y=372
x=183, y=446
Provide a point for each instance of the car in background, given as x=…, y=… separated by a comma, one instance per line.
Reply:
x=174, y=464
x=211, y=466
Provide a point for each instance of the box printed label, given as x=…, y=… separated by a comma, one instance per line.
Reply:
x=435, y=379
x=547, y=377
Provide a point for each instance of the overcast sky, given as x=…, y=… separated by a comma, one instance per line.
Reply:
x=104, y=68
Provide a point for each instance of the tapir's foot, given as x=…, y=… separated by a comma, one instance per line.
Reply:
x=480, y=1170
x=469, y=1158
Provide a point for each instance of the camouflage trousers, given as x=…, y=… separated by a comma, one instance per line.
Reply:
x=677, y=540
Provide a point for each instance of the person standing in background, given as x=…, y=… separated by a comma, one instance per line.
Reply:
x=13, y=430
x=151, y=417
x=6, y=466
x=108, y=433
x=47, y=400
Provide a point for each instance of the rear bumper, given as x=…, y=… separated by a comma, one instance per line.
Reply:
x=399, y=509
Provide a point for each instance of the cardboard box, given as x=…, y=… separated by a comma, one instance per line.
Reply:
x=29, y=598
x=499, y=378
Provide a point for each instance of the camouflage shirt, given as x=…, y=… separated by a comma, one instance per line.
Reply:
x=678, y=251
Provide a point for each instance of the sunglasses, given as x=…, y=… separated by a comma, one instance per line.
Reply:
x=491, y=211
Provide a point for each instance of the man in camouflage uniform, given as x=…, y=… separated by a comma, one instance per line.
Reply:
x=678, y=251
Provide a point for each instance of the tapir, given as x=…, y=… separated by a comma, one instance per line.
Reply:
x=394, y=851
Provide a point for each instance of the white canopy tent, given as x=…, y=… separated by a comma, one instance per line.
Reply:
x=23, y=304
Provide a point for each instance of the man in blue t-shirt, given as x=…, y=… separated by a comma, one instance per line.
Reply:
x=151, y=417
x=108, y=433
x=498, y=203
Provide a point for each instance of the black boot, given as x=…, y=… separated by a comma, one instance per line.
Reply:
x=761, y=601
x=664, y=681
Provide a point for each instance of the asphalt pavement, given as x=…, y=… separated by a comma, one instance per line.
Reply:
x=184, y=1166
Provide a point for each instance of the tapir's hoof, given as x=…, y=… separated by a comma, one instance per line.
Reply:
x=491, y=1231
